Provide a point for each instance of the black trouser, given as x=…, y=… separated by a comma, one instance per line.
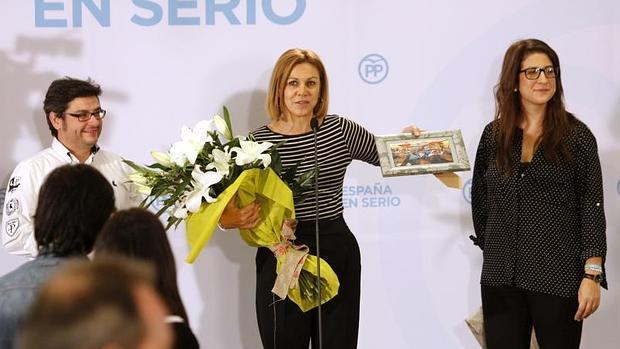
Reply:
x=510, y=312
x=284, y=321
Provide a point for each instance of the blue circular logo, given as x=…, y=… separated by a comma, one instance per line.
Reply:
x=373, y=68
x=467, y=191
x=159, y=203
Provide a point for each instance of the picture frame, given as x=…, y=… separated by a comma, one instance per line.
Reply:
x=431, y=152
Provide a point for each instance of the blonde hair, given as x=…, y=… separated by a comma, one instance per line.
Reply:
x=281, y=71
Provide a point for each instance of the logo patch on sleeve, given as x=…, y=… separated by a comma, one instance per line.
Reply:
x=11, y=226
x=14, y=184
x=12, y=206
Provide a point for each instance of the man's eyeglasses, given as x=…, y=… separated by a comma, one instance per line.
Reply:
x=86, y=115
x=534, y=73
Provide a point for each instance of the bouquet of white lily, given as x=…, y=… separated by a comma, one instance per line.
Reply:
x=201, y=165
x=199, y=175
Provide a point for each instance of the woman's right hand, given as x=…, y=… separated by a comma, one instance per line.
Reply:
x=246, y=217
x=414, y=130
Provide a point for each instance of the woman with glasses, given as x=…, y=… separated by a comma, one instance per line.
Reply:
x=537, y=207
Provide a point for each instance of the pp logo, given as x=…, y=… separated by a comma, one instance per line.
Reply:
x=373, y=68
x=467, y=191
x=159, y=203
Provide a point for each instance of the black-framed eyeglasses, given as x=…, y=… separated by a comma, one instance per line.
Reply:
x=534, y=73
x=86, y=115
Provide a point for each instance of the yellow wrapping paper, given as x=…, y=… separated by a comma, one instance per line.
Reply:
x=276, y=201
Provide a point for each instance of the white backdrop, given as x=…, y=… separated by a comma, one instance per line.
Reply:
x=165, y=63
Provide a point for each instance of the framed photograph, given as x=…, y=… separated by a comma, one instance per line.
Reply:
x=431, y=152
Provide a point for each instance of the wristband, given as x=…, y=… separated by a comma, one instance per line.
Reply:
x=598, y=278
x=597, y=268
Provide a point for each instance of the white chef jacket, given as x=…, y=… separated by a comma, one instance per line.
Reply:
x=23, y=190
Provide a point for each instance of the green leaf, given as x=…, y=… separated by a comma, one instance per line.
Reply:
x=227, y=119
x=158, y=166
x=162, y=210
x=276, y=162
x=306, y=180
x=154, y=198
x=277, y=145
x=288, y=174
x=172, y=221
x=135, y=166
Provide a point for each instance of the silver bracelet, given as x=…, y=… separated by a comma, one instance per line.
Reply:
x=594, y=267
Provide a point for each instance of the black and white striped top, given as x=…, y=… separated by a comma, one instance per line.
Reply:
x=339, y=142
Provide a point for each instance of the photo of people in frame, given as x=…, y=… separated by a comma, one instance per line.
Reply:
x=431, y=152
x=421, y=152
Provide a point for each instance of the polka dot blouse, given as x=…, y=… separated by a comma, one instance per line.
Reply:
x=538, y=225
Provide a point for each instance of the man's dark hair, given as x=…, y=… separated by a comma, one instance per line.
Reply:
x=88, y=305
x=62, y=91
x=74, y=202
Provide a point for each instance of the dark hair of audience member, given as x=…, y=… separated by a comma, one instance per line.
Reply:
x=88, y=305
x=139, y=234
x=73, y=204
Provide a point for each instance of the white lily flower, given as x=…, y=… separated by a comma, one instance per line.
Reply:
x=139, y=183
x=200, y=131
x=162, y=158
x=202, y=182
x=222, y=127
x=251, y=151
x=221, y=161
x=142, y=189
x=183, y=152
x=191, y=143
x=137, y=177
x=179, y=212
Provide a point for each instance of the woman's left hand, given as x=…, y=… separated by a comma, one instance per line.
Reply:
x=589, y=298
x=414, y=130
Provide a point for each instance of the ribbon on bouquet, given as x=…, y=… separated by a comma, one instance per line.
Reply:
x=294, y=257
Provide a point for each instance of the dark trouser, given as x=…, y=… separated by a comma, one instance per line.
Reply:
x=510, y=312
x=284, y=321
